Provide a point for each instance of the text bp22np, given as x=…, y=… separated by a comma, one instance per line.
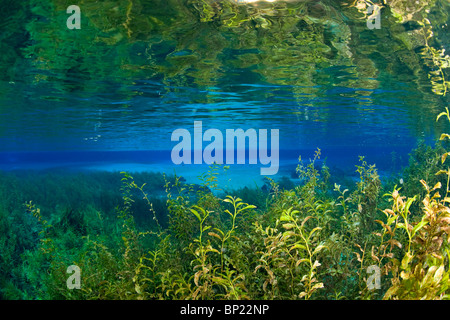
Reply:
x=246, y=309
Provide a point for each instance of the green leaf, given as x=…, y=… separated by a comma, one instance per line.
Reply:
x=401, y=225
x=297, y=246
x=391, y=291
x=406, y=259
x=419, y=226
x=438, y=274
x=301, y=261
x=196, y=214
x=221, y=232
x=285, y=218
x=318, y=249
x=288, y=226
x=313, y=231
x=408, y=205
x=250, y=206
x=443, y=114
x=228, y=211
x=228, y=199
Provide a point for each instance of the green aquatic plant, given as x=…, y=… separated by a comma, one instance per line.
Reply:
x=424, y=162
x=210, y=265
x=212, y=272
x=420, y=273
x=239, y=207
x=419, y=265
x=289, y=258
x=312, y=241
x=309, y=174
x=202, y=263
x=366, y=194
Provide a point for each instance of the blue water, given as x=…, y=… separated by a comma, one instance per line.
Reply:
x=55, y=117
x=105, y=132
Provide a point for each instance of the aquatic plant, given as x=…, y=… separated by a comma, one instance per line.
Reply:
x=312, y=241
x=286, y=252
x=167, y=239
x=419, y=267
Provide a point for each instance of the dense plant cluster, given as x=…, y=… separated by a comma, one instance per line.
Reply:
x=313, y=240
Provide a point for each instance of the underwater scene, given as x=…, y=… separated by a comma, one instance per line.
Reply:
x=224, y=150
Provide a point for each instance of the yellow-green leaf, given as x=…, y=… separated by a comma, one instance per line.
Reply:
x=313, y=231
x=300, y=261
x=196, y=214
x=406, y=259
x=288, y=226
x=213, y=234
x=438, y=274
x=443, y=114
x=318, y=249
x=297, y=246
x=317, y=286
x=441, y=172
x=437, y=186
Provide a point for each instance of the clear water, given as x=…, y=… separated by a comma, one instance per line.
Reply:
x=109, y=95
x=78, y=106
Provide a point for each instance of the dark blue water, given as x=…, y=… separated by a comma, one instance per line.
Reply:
x=108, y=133
x=71, y=102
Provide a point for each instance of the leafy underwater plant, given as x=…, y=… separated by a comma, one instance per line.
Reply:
x=210, y=265
x=289, y=251
x=420, y=265
x=304, y=243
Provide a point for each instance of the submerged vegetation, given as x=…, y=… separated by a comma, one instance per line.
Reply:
x=314, y=237
x=171, y=240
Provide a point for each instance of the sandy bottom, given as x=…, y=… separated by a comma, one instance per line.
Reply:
x=235, y=177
